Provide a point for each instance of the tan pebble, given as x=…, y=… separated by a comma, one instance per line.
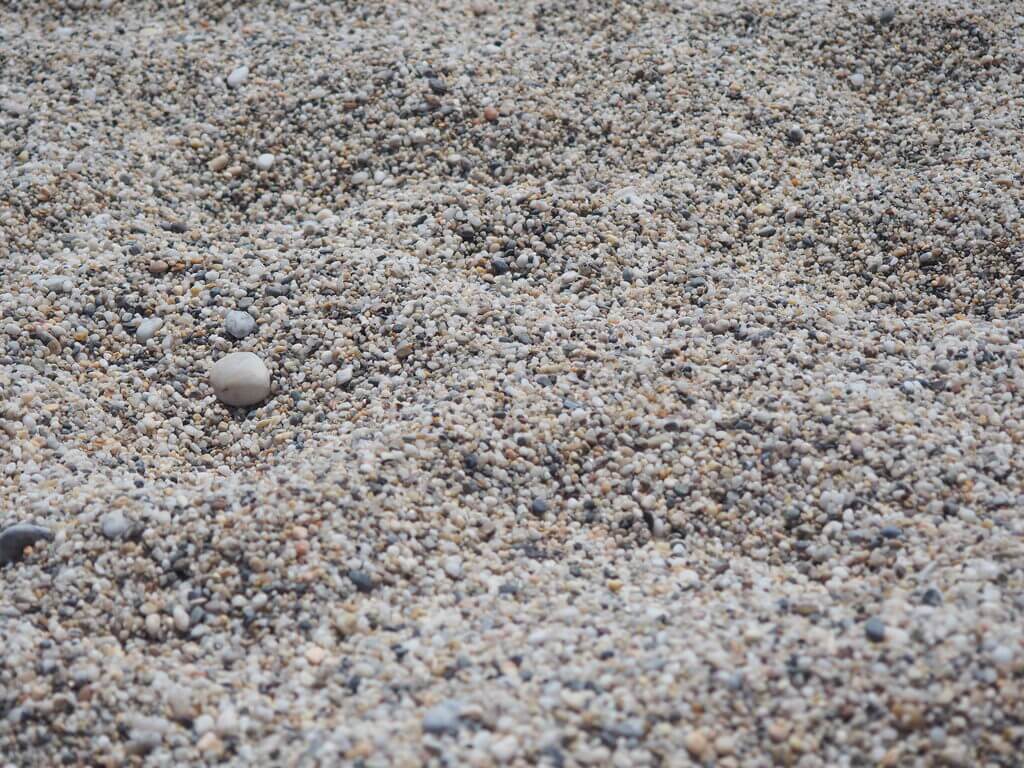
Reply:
x=490, y=114
x=219, y=163
x=697, y=743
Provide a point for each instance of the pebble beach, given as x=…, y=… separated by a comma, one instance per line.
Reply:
x=444, y=383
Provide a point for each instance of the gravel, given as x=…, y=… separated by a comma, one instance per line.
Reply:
x=646, y=383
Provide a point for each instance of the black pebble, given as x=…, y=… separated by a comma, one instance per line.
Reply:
x=499, y=266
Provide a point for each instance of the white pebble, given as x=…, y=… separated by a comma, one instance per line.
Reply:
x=265, y=161
x=147, y=329
x=114, y=525
x=238, y=76
x=240, y=379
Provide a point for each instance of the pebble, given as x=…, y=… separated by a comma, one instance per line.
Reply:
x=697, y=744
x=238, y=76
x=148, y=329
x=442, y=717
x=14, y=539
x=265, y=161
x=181, y=619
x=114, y=525
x=874, y=629
x=239, y=324
x=240, y=379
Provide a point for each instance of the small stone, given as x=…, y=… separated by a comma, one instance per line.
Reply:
x=219, y=163
x=874, y=629
x=932, y=597
x=240, y=379
x=265, y=161
x=344, y=376
x=157, y=267
x=696, y=744
x=887, y=15
x=239, y=324
x=1002, y=656
x=539, y=506
x=16, y=538
x=181, y=619
x=148, y=328
x=210, y=744
x=505, y=749
x=179, y=701
x=856, y=79
x=490, y=114
x=795, y=134
x=227, y=721
x=453, y=567
x=499, y=266
x=114, y=525
x=362, y=580
x=315, y=654
x=442, y=718
x=238, y=76
x=153, y=625
x=891, y=532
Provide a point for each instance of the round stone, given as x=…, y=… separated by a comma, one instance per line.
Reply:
x=240, y=379
x=239, y=324
x=113, y=525
x=874, y=628
x=265, y=161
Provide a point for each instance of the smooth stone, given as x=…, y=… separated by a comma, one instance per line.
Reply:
x=148, y=328
x=240, y=379
x=114, y=525
x=238, y=76
x=362, y=580
x=265, y=161
x=15, y=538
x=874, y=628
x=443, y=717
x=239, y=324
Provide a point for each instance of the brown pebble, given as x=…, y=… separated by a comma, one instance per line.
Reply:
x=490, y=114
x=157, y=267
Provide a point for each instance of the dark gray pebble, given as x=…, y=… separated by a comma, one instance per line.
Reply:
x=874, y=628
x=17, y=537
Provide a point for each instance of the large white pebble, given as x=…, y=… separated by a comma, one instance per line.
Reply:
x=238, y=76
x=147, y=329
x=240, y=379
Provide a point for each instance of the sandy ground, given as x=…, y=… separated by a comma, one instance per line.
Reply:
x=646, y=383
